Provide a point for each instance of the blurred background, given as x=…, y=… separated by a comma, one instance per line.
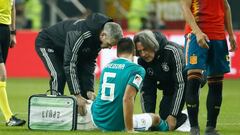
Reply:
x=132, y=15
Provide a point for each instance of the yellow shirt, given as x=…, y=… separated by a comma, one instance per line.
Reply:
x=5, y=11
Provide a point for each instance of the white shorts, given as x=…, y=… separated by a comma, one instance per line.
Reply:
x=142, y=122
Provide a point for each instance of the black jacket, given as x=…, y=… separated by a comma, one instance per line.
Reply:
x=166, y=71
x=79, y=42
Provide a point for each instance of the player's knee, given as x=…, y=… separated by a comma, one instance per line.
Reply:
x=215, y=89
x=155, y=119
x=3, y=75
x=204, y=80
x=3, y=78
x=193, y=85
x=215, y=79
x=195, y=75
x=193, y=82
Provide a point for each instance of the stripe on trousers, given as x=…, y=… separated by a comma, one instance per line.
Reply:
x=51, y=68
x=179, y=79
x=73, y=61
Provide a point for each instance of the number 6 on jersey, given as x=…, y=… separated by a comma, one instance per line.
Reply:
x=108, y=88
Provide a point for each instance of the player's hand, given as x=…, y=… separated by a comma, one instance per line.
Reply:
x=233, y=44
x=171, y=120
x=81, y=105
x=202, y=39
x=13, y=41
x=91, y=95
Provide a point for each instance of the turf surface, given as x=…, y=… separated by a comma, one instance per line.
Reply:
x=19, y=90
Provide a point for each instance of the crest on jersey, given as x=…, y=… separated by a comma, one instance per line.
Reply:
x=227, y=58
x=50, y=50
x=86, y=50
x=193, y=59
x=150, y=71
x=165, y=67
x=143, y=122
x=137, y=80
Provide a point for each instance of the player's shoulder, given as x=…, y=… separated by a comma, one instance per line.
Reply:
x=127, y=64
x=137, y=68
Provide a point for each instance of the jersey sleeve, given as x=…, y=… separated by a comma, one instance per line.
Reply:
x=136, y=78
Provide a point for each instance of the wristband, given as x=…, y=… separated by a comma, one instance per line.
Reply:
x=13, y=32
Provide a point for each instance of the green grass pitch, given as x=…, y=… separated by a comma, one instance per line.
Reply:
x=20, y=89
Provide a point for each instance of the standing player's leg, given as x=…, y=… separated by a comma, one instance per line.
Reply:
x=214, y=101
x=4, y=105
x=218, y=64
x=196, y=60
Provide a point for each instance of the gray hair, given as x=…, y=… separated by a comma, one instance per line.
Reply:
x=113, y=30
x=148, y=40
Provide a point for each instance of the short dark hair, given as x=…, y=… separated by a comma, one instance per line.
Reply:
x=125, y=45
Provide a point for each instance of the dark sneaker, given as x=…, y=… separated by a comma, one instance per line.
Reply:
x=211, y=131
x=180, y=120
x=194, y=131
x=14, y=121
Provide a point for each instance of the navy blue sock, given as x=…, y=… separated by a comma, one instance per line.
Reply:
x=214, y=100
x=192, y=97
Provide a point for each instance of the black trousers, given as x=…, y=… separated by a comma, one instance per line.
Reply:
x=4, y=42
x=53, y=62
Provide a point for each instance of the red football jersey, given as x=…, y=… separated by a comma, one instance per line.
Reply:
x=209, y=15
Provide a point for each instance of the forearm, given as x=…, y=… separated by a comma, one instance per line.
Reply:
x=70, y=68
x=13, y=17
x=189, y=16
x=72, y=80
x=228, y=19
x=81, y=101
x=178, y=93
x=176, y=106
x=128, y=105
x=178, y=99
